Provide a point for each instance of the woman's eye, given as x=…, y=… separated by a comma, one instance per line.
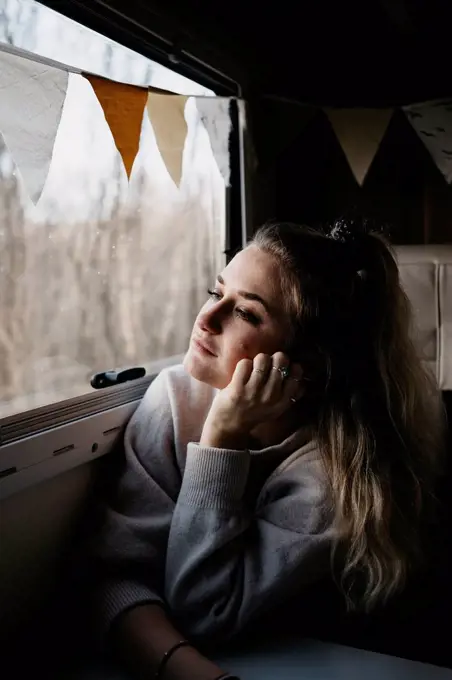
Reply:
x=247, y=316
x=241, y=313
x=214, y=294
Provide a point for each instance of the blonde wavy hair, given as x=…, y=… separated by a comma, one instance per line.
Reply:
x=374, y=409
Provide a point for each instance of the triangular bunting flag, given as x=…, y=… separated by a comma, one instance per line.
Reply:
x=433, y=123
x=123, y=107
x=359, y=132
x=166, y=113
x=31, y=101
x=216, y=118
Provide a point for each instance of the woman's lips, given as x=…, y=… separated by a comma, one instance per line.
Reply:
x=202, y=347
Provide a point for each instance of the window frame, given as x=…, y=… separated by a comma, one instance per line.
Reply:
x=33, y=422
x=107, y=19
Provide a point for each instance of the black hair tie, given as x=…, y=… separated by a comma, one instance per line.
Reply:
x=355, y=236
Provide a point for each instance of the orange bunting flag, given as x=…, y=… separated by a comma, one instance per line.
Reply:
x=360, y=132
x=123, y=107
x=166, y=113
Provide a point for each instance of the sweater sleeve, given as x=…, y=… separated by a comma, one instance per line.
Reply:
x=130, y=547
x=227, y=564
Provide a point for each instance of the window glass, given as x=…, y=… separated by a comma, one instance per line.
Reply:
x=101, y=273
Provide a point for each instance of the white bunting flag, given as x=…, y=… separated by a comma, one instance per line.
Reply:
x=216, y=118
x=433, y=123
x=32, y=96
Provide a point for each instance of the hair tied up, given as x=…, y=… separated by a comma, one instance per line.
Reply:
x=352, y=228
x=355, y=236
x=341, y=231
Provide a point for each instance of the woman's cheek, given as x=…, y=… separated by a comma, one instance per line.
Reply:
x=246, y=346
x=238, y=350
x=247, y=349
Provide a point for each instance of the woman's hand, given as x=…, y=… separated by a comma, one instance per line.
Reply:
x=189, y=664
x=258, y=392
x=144, y=634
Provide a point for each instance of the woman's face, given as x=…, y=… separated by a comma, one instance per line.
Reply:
x=243, y=317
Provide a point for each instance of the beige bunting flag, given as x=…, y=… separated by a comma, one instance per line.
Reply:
x=123, y=107
x=166, y=113
x=360, y=132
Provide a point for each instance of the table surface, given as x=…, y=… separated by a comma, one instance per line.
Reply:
x=313, y=660
x=299, y=660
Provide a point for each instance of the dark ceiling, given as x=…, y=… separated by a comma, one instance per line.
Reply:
x=346, y=52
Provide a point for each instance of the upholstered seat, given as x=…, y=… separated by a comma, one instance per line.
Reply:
x=426, y=273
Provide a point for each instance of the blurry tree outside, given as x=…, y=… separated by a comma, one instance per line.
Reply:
x=100, y=274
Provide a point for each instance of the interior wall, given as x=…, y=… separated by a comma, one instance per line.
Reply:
x=36, y=527
x=303, y=175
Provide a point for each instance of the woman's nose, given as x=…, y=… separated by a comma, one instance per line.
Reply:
x=210, y=320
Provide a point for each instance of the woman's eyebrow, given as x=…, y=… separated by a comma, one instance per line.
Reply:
x=248, y=296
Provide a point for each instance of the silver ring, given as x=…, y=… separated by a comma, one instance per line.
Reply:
x=293, y=400
x=284, y=370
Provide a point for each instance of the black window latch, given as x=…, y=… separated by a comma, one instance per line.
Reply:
x=110, y=378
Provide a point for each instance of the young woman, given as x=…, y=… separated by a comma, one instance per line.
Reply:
x=299, y=439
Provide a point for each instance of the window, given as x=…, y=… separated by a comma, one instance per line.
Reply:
x=100, y=273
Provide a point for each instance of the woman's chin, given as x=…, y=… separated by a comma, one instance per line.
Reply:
x=201, y=370
x=195, y=366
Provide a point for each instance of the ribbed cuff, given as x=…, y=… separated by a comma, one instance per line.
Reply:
x=214, y=477
x=118, y=596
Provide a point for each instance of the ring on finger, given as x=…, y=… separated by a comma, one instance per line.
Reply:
x=284, y=370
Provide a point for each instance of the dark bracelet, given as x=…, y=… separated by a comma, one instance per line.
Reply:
x=167, y=656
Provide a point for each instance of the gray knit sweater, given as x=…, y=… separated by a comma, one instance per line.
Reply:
x=217, y=536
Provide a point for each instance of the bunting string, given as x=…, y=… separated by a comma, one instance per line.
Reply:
x=33, y=94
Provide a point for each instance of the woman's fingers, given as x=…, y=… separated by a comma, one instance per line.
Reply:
x=242, y=373
x=275, y=382
x=262, y=364
x=270, y=378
